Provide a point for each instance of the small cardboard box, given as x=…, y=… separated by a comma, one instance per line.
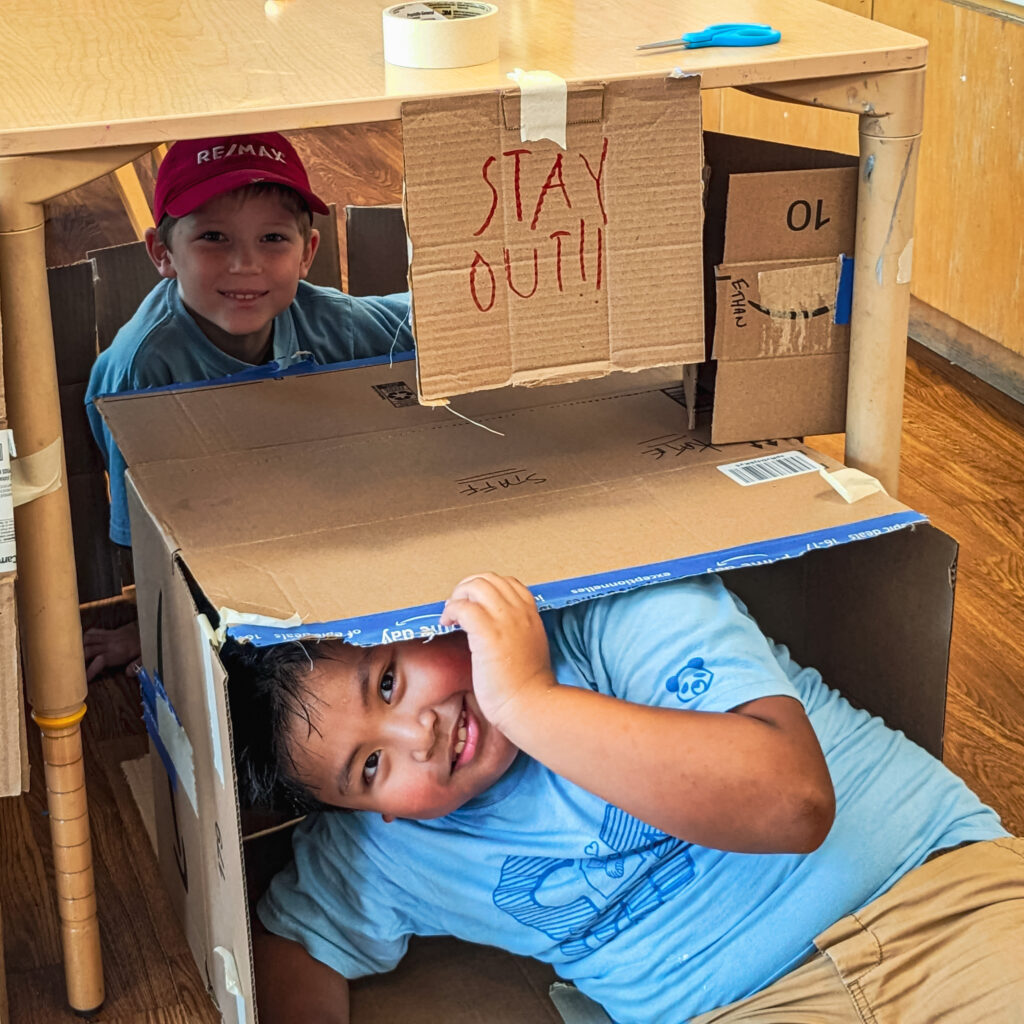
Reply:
x=533, y=263
x=779, y=242
x=333, y=504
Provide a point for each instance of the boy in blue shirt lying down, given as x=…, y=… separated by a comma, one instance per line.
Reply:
x=641, y=790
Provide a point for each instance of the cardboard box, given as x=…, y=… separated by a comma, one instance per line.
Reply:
x=580, y=490
x=13, y=746
x=533, y=263
x=779, y=240
x=14, y=767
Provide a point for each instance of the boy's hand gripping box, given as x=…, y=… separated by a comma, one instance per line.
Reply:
x=329, y=504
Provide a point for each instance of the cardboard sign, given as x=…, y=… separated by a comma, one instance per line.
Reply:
x=536, y=264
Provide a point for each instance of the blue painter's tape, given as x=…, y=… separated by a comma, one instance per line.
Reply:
x=272, y=371
x=146, y=688
x=844, y=290
x=168, y=735
x=153, y=690
x=149, y=718
x=421, y=621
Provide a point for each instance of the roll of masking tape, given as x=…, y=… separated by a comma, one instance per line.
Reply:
x=440, y=34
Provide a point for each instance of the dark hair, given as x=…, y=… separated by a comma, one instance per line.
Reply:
x=267, y=690
x=291, y=199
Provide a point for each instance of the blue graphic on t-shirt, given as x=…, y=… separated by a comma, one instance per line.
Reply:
x=691, y=680
x=583, y=903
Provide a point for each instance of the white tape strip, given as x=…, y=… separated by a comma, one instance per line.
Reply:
x=231, y=982
x=207, y=646
x=229, y=617
x=37, y=474
x=8, y=549
x=851, y=484
x=905, y=264
x=178, y=747
x=543, y=106
x=440, y=34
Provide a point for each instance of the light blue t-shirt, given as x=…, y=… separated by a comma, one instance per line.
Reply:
x=162, y=344
x=653, y=928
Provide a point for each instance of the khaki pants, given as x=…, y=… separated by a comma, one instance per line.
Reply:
x=945, y=945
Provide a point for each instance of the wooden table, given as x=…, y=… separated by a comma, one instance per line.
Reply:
x=88, y=87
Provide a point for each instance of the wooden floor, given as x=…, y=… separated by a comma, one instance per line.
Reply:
x=962, y=466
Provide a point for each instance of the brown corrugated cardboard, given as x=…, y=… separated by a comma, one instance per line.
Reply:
x=779, y=219
x=389, y=489
x=535, y=264
x=13, y=748
x=357, y=517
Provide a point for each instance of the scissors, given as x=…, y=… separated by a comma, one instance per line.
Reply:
x=730, y=34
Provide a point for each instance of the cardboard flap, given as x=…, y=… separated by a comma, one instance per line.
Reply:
x=14, y=767
x=566, y=491
x=533, y=264
x=226, y=417
x=774, y=309
x=796, y=215
x=792, y=395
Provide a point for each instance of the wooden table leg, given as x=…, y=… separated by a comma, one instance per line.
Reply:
x=891, y=109
x=46, y=588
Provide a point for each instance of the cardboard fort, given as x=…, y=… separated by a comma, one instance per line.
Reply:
x=778, y=250
x=534, y=262
x=331, y=503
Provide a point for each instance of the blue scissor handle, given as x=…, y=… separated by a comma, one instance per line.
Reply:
x=733, y=34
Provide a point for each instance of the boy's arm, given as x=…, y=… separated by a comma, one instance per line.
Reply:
x=752, y=779
x=293, y=986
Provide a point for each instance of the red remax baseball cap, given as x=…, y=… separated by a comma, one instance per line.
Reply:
x=197, y=170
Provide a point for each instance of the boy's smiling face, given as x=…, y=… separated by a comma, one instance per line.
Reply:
x=398, y=730
x=238, y=261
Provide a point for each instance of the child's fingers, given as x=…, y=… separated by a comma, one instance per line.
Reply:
x=467, y=614
x=522, y=590
x=496, y=596
x=94, y=667
x=493, y=590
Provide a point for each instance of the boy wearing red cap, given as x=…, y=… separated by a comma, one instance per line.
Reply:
x=233, y=243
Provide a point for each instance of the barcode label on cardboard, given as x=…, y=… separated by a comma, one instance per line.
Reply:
x=769, y=467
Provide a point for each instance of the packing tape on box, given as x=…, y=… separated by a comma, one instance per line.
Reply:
x=851, y=484
x=543, y=105
x=207, y=646
x=439, y=34
x=168, y=735
x=229, y=617
x=37, y=474
x=231, y=982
